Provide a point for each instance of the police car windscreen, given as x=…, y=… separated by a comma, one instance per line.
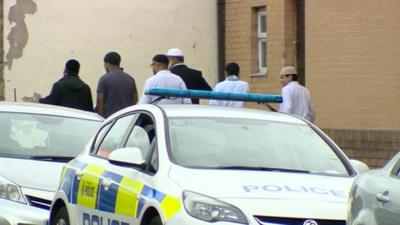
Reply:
x=30, y=135
x=247, y=143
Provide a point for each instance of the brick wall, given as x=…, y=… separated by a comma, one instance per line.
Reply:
x=352, y=66
x=241, y=45
x=1, y=51
x=374, y=147
x=352, y=63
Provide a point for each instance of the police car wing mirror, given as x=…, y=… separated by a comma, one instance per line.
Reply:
x=359, y=166
x=130, y=156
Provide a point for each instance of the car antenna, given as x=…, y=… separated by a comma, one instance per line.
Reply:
x=270, y=107
x=155, y=101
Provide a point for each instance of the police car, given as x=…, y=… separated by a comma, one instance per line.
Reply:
x=36, y=141
x=196, y=164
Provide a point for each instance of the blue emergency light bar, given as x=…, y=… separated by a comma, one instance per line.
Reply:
x=216, y=95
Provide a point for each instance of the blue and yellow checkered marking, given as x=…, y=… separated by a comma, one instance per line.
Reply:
x=128, y=198
x=69, y=182
x=107, y=199
x=74, y=166
x=170, y=206
x=77, y=164
x=125, y=196
x=149, y=193
x=88, y=190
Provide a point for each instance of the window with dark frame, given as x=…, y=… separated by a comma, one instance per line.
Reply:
x=262, y=39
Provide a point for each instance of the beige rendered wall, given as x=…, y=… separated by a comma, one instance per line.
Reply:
x=47, y=33
x=352, y=62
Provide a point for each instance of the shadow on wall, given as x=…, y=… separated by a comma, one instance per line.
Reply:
x=18, y=36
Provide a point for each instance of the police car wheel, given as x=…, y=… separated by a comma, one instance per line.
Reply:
x=155, y=221
x=61, y=217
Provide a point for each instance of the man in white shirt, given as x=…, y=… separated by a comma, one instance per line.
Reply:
x=231, y=84
x=163, y=78
x=296, y=98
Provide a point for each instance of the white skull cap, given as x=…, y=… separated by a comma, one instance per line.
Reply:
x=174, y=52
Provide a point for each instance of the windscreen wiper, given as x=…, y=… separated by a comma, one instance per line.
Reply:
x=261, y=169
x=52, y=158
x=9, y=155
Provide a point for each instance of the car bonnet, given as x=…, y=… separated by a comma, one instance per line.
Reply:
x=237, y=184
x=34, y=174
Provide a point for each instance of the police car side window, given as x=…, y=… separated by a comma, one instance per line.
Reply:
x=395, y=171
x=100, y=136
x=142, y=135
x=153, y=166
x=139, y=139
x=116, y=136
x=398, y=169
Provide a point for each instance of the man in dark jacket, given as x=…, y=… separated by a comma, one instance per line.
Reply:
x=193, y=78
x=70, y=91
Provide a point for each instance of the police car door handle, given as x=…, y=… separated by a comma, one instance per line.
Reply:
x=78, y=174
x=383, y=197
x=106, y=183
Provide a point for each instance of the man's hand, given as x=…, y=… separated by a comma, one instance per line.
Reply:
x=35, y=98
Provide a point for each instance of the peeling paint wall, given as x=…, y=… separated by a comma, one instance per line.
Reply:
x=18, y=35
x=40, y=35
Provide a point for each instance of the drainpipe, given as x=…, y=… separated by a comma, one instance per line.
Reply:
x=300, y=43
x=221, y=38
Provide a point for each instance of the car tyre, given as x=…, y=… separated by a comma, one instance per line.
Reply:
x=156, y=220
x=61, y=217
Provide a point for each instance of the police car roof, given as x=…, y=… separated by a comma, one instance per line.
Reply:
x=45, y=109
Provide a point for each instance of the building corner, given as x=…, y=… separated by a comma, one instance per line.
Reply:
x=2, y=81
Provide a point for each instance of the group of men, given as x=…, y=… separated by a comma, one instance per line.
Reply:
x=117, y=89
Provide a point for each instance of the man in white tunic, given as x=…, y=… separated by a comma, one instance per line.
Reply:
x=296, y=98
x=163, y=78
x=231, y=84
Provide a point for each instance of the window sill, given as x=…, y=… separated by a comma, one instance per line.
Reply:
x=259, y=74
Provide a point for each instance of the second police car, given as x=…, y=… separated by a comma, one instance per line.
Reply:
x=197, y=164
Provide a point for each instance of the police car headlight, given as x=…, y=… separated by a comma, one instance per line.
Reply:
x=210, y=209
x=10, y=191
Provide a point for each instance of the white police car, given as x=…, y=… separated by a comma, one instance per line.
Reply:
x=196, y=164
x=36, y=141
